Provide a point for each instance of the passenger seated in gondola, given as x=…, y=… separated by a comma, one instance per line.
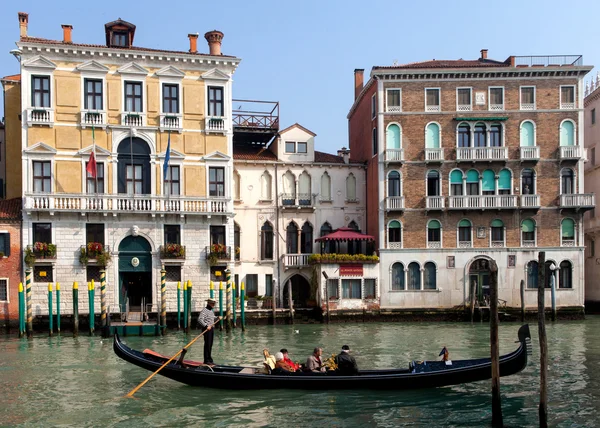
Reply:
x=314, y=363
x=269, y=359
x=281, y=367
x=346, y=364
x=287, y=359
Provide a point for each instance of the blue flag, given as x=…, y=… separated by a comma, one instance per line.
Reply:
x=167, y=157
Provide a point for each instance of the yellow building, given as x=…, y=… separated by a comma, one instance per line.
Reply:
x=124, y=103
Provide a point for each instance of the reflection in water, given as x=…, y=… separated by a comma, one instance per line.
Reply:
x=61, y=380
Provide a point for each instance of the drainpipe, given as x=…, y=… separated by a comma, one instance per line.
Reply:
x=277, y=234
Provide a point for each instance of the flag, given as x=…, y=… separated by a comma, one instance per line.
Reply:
x=167, y=157
x=91, y=167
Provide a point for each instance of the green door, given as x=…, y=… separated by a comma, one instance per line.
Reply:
x=135, y=272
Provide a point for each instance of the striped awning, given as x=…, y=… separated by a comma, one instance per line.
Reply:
x=345, y=234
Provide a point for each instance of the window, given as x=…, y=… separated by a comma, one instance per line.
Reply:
x=95, y=184
x=395, y=234
x=488, y=182
x=496, y=99
x=370, y=288
x=397, y=277
x=463, y=99
x=42, y=232
x=456, y=183
x=464, y=135
x=414, y=276
x=43, y=273
x=302, y=147
x=527, y=97
x=592, y=248
x=172, y=273
x=432, y=136
x=433, y=183
x=394, y=184
x=464, y=233
x=430, y=276
x=565, y=278
x=527, y=134
x=5, y=244
x=393, y=137
x=351, y=288
x=394, y=100
x=93, y=94
x=532, y=274
x=170, y=98
x=567, y=232
x=504, y=182
x=292, y=238
x=133, y=97
x=41, y=176
x=119, y=39
x=217, y=235
x=268, y=284
x=306, y=238
x=94, y=232
x=236, y=186
x=434, y=235
x=496, y=136
x=472, y=183
x=332, y=288
x=289, y=189
x=3, y=289
x=497, y=227
x=325, y=187
x=252, y=285
x=373, y=106
x=528, y=182
x=304, y=189
x=216, y=181
x=92, y=273
x=567, y=97
x=266, y=241
x=432, y=99
x=265, y=186
x=327, y=246
x=40, y=93
x=172, y=234
x=593, y=156
x=351, y=187
x=172, y=180
x=290, y=147
x=215, y=101
x=528, y=233
x=567, y=133
x=134, y=179
x=375, y=145
x=567, y=180
x=593, y=113
x=479, y=135
x=236, y=240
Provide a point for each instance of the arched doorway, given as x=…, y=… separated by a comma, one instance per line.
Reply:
x=134, y=176
x=479, y=280
x=300, y=293
x=135, y=273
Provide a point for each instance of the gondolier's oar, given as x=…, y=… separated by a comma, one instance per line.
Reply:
x=134, y=390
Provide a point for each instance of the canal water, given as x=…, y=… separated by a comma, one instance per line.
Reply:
x=62, y=381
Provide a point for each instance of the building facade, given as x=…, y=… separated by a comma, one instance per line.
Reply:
x=10, y=261
x=2, y=162
x=471, y=161
x=160, y=194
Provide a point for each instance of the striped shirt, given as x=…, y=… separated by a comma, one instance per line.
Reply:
x=206, y=318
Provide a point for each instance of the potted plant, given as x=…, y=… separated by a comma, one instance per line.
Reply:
x=173, y=251
x=29, y=257
x=44, y=250
x=212, y=259
x=103, y=258
x=259, y=302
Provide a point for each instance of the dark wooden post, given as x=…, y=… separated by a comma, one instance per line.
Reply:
x=274, y=301
x=522, y=301
x=473, y=288
x=290, y=301
x=495, y=350
x=543, y=409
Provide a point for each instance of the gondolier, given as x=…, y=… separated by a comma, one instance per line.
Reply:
x=206, y=319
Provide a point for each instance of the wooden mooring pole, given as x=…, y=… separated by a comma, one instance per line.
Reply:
x=522, y=301
x=494, y=347
x=543, y=408
x=290, y=301
x=473, y=288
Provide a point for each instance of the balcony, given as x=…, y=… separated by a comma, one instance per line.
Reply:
x=434, y=155
x=531, y=153
x=567, y=106
x=476, y=154
x=394, y=155
x=465, y=244
x=464, y=107
x=528, y=243
x=171, y=122
x=215, y=124
x=295, y=260
x=434, y=202
x=548, y=60
x=254, y=122
x=218, y=254
x=120, y=204
x=172, y=252
x=496, y=107
x=394, y=203
x=483, y=202
x=39, y=252
x=95, y=253
x=93, y=118
x=40, y=116
x=530, y=201
x=571, y=152
x=431, y=109
x=296, y=201
x=133, y=119
x=395, y=245
x=578, y=201
x=434, y=244
x=498, y=244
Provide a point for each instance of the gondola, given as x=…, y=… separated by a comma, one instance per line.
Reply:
x=422, y=374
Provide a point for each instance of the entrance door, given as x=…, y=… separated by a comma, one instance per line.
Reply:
x=300, y=293
x=136, y=286
x=135, y=273
x=479, y=278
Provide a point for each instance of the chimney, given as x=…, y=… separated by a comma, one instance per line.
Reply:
x=67, y=33
x=193, y=43
x=512, y=60
x=344, y=153
x=214, y=38
x=358, y=81
x=484, y=53
x=23, y=22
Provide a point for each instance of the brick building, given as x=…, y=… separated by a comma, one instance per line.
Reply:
x=10, y=260
x=471, y=161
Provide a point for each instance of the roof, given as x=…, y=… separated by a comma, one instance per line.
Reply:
x=12, y=77
x=345, y=234
x=323, y=157
x=10, y=209
x=253, y=153
x=297, y=125
x=453, y=63
x=130, y=48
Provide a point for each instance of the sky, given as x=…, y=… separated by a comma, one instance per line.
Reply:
x=303, y=53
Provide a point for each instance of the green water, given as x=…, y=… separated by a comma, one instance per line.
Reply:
x=79, y=382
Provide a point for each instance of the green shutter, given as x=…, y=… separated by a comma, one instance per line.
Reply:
x=434, y=224
x=394, y=225
x=527, y=135
x=456, y=177
x=473, y=176
x=432, y=136
x=568, y=228
x=567, y=134
x=464, y=223
x=504, y=180
x=393, y=137
x=497, y=223
x=489, y=179
x=528, y=226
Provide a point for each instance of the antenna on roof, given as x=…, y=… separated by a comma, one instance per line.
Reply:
x=395, y=62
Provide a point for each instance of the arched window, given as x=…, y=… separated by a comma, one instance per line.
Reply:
x=134, y=172
x=306, y=238
x=304, y=186
x=567, y=232
x=532, y=274
x=414, y=276
x=479, y=135
x=292, y=238
x=236, y=240
x=472, y=182
x=434, y=234
x=374, y=142
x=497, y=227
x=352, y=225
x=527, y=134
x=397, y=277
x=351, y=187
x=464, y=233
x=393, y=137
x=265, y=186
x=567, y=133
x=432, y=136
x=567, y=181
x=464, y=135
x=325, y=187
x=528, y=181
x=488, y=182
x=496, y=135
x=395, y=234
x=528, y=233
x=236, y=186
x=429, y=276
x=289, y=189
x=433, y=183
x=326, y=247
x=456, y=183
x=394, y=183
x=504, y=182
x=565, y=278
x=266, y=241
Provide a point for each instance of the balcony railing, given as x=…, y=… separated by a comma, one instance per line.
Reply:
x=483, y=202
x=395, y=245
x=172, y=251
x=482, y=153
x=171, y=122
x=215, y=124
x=571, y=152
x=133, y=119
x=296, y=200
x=463, y=107
x=580, y=200
x=393, y=109
x=548, y=60
x=496, y=107
x=394, y=155
x=530, y=201
x=434, y=244
x=528, y=243
x=93, y=118
x=497, y=244
x=218, y=252
x=465, y=244
x=530, y=153
x=434, y=155
x=432, y=108
x=527, y=106
x=567, y=242
x=434, y=202
x=47, y=252
x=125, y=203
x=295, y=260
x=394, y=203
x=40, y=116
x=254, y=114
x=567, y=106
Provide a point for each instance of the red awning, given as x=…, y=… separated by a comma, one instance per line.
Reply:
x=345, y=234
